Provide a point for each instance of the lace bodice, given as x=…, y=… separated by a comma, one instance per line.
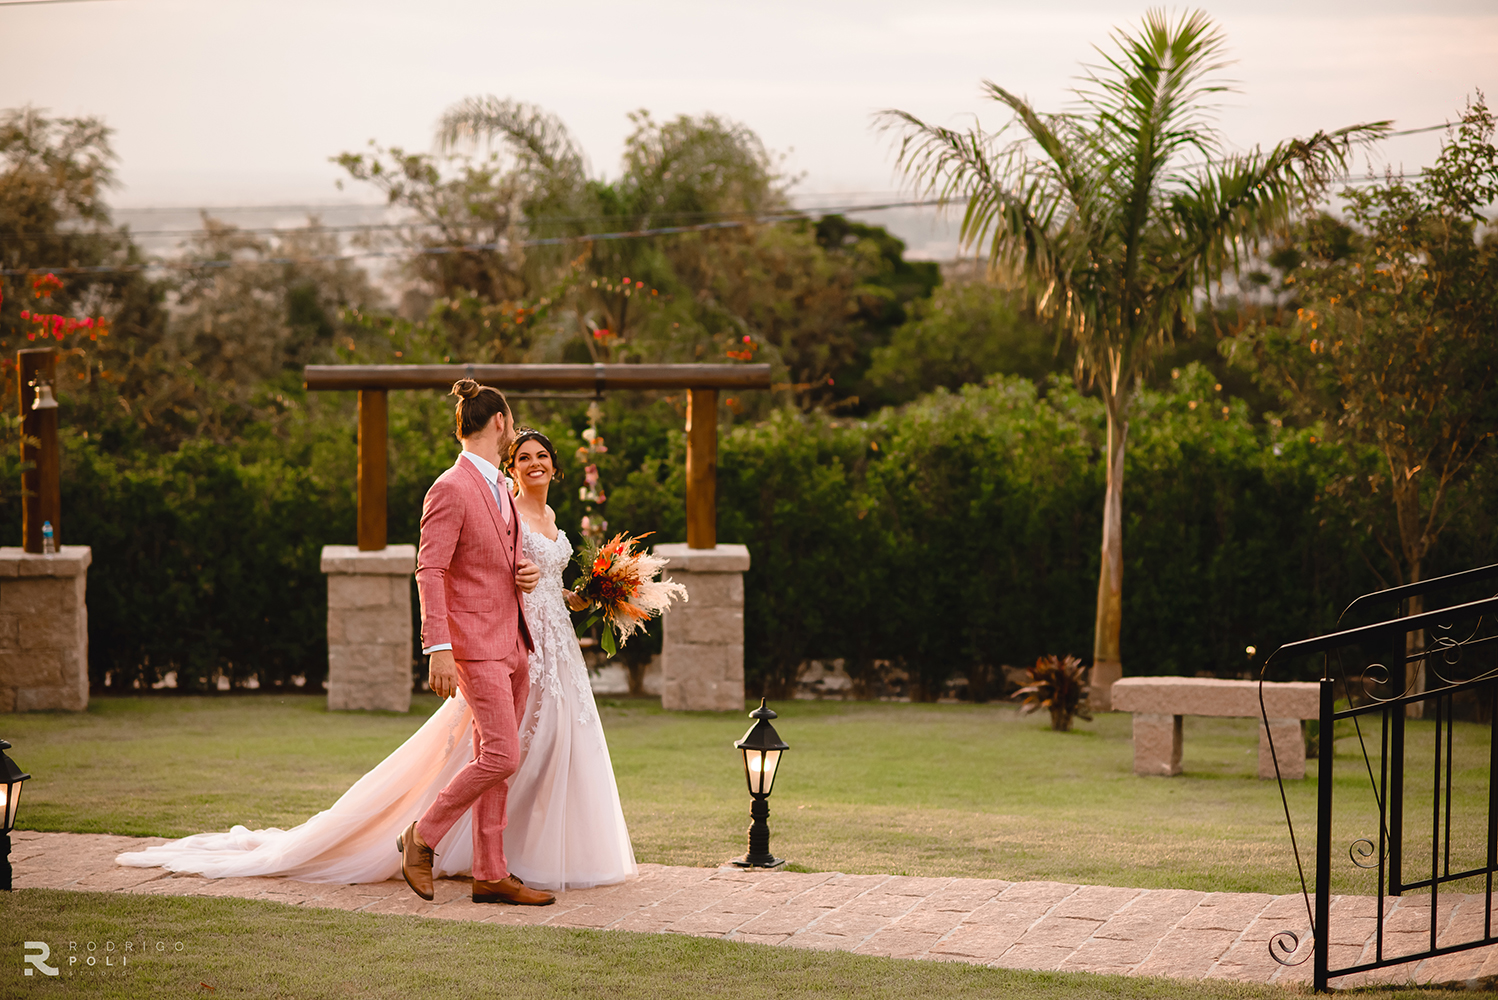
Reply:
x=557, y=658
x=551, y=557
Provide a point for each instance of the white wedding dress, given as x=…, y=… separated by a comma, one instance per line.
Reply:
x=566, y=828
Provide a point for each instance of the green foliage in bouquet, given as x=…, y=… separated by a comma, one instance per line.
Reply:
x=1058, y=684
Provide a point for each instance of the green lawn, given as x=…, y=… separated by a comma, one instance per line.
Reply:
x=239, y=948
x=973, y=790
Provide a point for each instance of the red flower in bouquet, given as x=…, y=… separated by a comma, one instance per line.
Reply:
x=622, y=586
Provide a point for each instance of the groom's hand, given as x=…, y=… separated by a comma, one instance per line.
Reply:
x=442, y=674
x=527, y=575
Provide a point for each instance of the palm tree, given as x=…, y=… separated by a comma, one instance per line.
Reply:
x=1094, y=213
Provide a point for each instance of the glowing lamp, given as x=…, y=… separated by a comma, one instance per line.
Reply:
x=761, y=747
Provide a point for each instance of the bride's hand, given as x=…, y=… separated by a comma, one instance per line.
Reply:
x=527, y=575
x=575, y=603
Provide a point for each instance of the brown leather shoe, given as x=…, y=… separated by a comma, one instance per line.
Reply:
x=510, y=890
x=416, y=862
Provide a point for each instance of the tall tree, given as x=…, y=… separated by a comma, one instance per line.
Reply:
x=1383, y=334
x=1114, y=215
x=812, y=300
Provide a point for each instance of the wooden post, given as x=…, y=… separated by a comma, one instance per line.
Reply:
x=702, y=468
x=41, y=485
x=373, y=432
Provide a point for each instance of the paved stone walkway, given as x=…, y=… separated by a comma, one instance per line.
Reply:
x=1017, y=925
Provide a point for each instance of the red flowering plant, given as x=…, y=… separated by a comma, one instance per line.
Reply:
x=745, y=353
x=56, y=325
x=621, y=585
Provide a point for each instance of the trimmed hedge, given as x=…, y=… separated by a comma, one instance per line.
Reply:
x=943, y=540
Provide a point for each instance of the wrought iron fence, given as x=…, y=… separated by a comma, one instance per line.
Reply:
x=1430, y=660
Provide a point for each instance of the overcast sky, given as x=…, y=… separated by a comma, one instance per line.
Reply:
x=243, y=101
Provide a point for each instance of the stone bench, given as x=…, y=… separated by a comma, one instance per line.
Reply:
x=1158, y=703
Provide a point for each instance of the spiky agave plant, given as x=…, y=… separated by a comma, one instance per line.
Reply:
x=1060, y=685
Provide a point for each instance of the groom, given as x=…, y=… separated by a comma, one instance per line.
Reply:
x=470, y=576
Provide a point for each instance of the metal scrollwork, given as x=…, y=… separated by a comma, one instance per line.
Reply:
x=1282, y=952
x=1363, y=848
x=1374, y=676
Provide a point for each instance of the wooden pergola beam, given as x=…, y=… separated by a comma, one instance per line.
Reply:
x=702, y=383
x=600, y=378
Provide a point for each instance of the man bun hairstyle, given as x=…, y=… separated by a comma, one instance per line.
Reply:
x=531, y=434
x=477, y=405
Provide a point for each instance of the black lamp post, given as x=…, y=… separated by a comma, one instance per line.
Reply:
x=762, y=747
x=11, y=777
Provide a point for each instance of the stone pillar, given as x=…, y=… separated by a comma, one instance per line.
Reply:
x=1157, y=744
x=369, y=626
x=702, y=657
x=44, y=629
x=1289, y=745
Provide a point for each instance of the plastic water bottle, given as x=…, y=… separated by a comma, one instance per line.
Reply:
x=49, y=544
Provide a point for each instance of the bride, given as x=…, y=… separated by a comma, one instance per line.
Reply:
x=566, y=828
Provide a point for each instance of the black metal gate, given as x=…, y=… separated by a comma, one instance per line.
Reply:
x=1432, y=659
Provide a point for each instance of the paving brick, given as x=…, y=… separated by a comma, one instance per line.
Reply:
x=1058, y=932
x=813, y=941
x=966, y=894
x=759, y=938
x=1023, y=902
x=1150, y=915
x=1282, y=913
x=1095, y=902
x=897, y=942
x=1097, y=953
x=853, y=926
x=1043, y=957
x=880, y=904
x=1186, y=954
x=1226, y=911
x=713, y=922
x=924, y=918
x=784, y=919
x=979, y=942
x=590, y=916
x=908, y=885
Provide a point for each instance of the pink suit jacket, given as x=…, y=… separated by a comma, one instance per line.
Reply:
x=465, y=569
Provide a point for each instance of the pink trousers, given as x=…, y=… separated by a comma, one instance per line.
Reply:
x=496, y=691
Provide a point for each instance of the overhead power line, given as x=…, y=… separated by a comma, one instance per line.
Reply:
x=436, y=251
x=788, y=216
x=532, y=223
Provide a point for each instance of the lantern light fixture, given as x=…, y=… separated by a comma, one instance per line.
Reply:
x=44, y=399
x=762, y=748
x=11, y=779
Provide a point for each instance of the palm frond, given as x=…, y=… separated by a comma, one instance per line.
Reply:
x=1223, y=209
x=537, y=138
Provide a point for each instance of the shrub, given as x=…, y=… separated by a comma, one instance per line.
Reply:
x=939, y=541
x=1059, y=686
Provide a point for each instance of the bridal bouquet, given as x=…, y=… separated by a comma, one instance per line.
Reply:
x=621, y=586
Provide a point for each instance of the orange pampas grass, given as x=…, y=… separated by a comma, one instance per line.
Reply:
x=622, y=586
